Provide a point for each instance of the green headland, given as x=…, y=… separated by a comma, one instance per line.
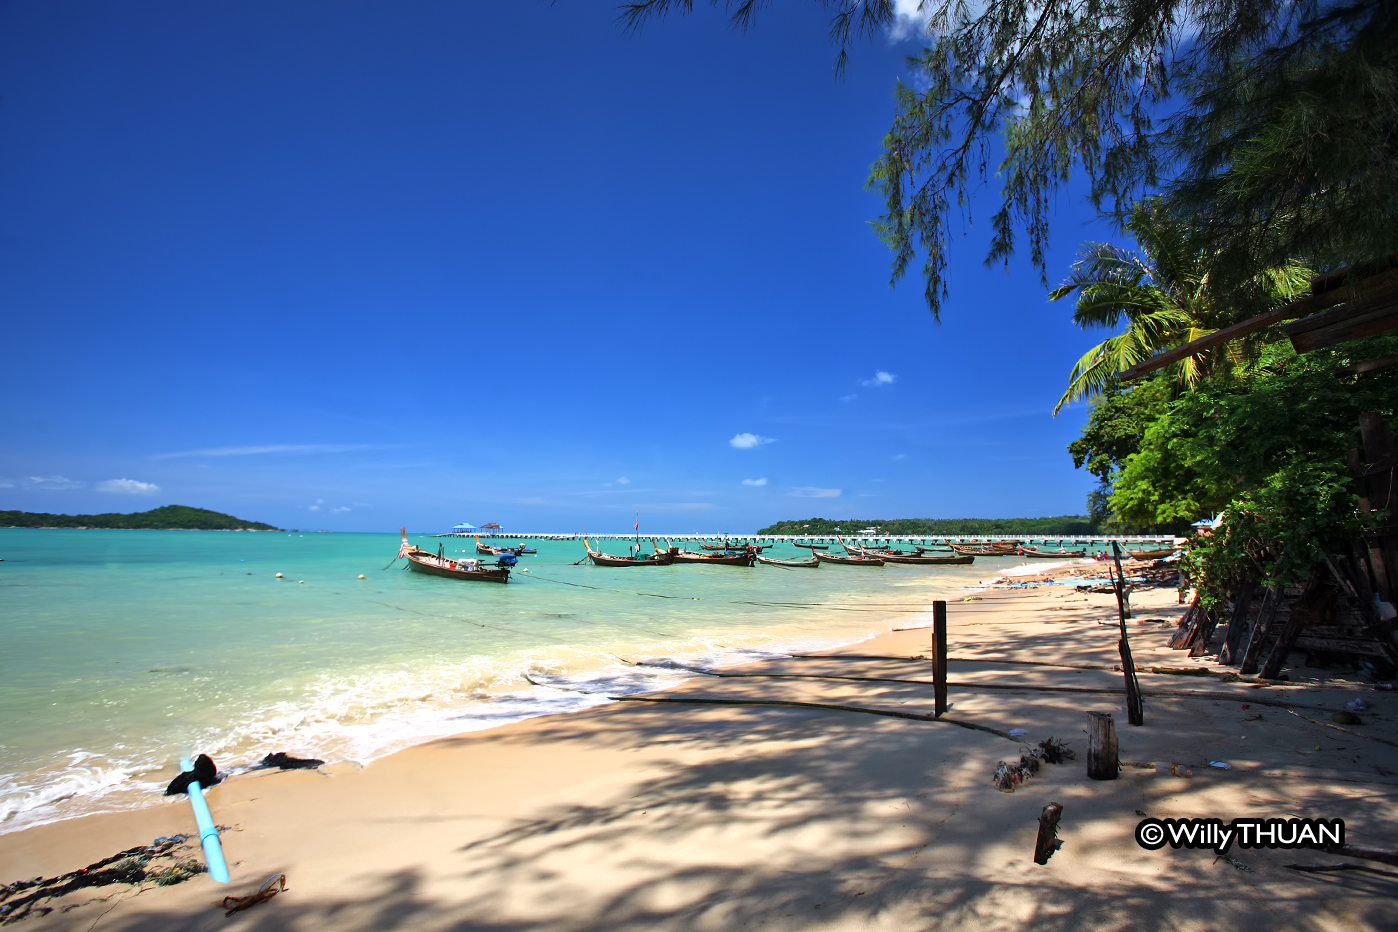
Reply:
x=166, y=518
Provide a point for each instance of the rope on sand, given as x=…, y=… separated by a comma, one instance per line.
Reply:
x=890, y=713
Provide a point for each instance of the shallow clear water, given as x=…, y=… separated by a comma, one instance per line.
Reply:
x=125, y=650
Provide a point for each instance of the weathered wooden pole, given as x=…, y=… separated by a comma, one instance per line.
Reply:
x=939, y=656
x=1242, y=601
x=1048, y=842
x=1135, y=708
x=1268, y=614
x=1102, y=762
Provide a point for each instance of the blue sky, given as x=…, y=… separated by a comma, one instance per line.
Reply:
x=351, y=265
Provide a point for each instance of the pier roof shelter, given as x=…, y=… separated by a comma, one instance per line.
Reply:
x=465, y=527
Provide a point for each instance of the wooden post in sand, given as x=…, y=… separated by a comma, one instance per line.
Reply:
x=939, y=656
x=1102, y=762
x=1048, y=841
x=1135, y=708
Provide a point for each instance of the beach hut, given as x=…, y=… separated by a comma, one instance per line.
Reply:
x=465, y=529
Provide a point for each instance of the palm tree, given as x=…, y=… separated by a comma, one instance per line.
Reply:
x=1164, y=298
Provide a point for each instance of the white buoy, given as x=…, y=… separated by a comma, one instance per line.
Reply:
x=279, y=575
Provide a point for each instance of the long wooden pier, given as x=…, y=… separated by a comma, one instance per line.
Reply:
x=824, y=539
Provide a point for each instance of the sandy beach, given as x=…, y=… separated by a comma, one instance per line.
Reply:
x=640, y=815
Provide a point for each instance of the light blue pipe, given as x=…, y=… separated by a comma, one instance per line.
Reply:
x=208, y=832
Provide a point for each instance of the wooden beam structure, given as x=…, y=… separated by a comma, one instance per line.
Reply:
x=1375, y=292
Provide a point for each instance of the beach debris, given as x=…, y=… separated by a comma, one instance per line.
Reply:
x=1221, y=764
x=1048, y=841
x=133, y=866
x=1357, y=705
x=1008, y=776
x=1345, y=718
x=1016, y=732
x=270, y=888
x=204, y=772
x=1051, y=751
x=287, y=762
x=1174, y=770
x=1234, y=861
x=1102, y=761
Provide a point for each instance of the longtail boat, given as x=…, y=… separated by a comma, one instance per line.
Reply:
x=984, y=551
x=1058, y=554
x=746, y=558
x=848, y=561
x=609, y=559
x=935, y=550
x=1150, y=554
x=812, y=562
x=491, y=551
x=954, y=560
x=728, y=546
x=811, y=546
x=439, y=564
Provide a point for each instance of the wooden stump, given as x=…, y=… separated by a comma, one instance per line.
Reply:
x=1102, y=762
x=939, y=656
x=1048, y=842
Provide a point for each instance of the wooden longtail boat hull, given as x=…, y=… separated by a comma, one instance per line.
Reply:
x=1150, y=554
x=808, y=563
x=721, y=559
x=813, y=546
x=931, y=561
x=1056, y=555
x=847, y=561
x=607, y=559
x=424, y=562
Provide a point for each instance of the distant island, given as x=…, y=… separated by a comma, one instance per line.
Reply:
x=167, y=518
x=933, y=527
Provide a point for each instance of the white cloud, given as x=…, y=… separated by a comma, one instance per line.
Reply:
x=880, y=379
x=128, y=487
x=747, y=441
x=910, y=19
x=313, y=508
x=813, y=492
x=6, y=484
x=762, y=481
x=849, y=397
x=341, y=509
x=54, y=482
x=287, y=448
x=623, y=481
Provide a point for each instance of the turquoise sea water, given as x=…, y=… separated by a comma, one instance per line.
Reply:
x=125, y=650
